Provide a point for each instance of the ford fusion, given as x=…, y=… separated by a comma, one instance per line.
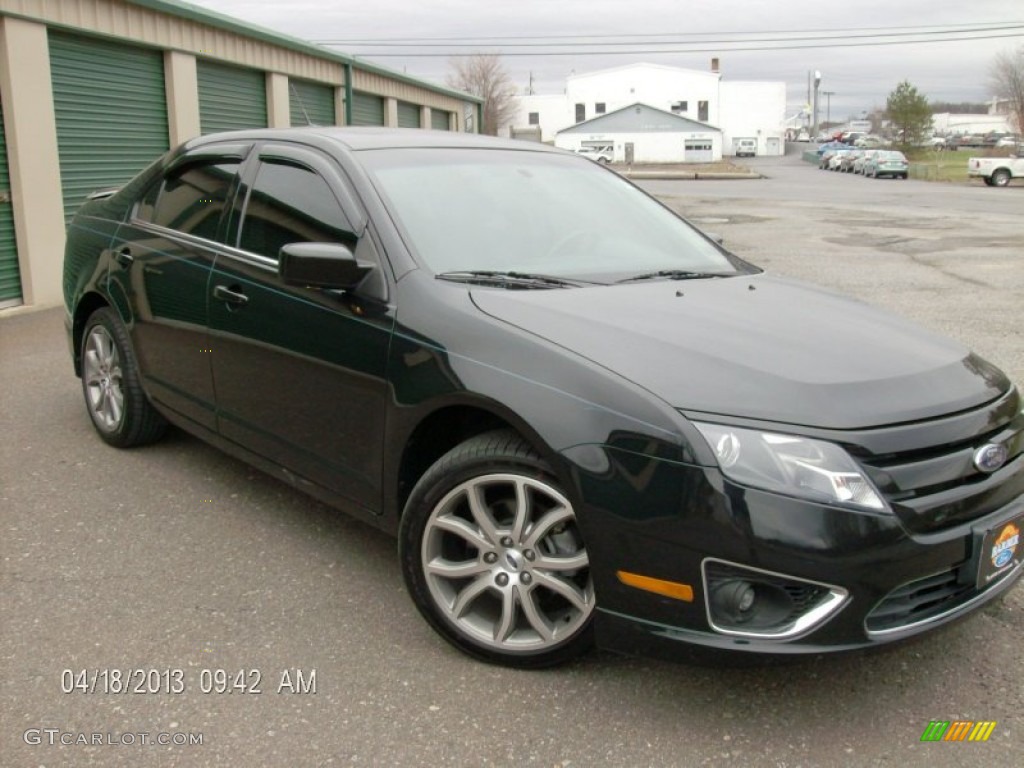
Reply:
x=585, y=421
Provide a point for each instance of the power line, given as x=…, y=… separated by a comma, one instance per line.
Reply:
x=806, y=36
x=832, y=32
x=729, y=48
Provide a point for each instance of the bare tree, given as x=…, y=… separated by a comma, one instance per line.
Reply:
x=1007, y=76
x=483, y=75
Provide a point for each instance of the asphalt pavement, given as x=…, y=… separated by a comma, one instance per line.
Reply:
x=172, y=593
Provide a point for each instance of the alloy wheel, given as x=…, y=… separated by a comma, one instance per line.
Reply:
x=505, y=564
x=101, y=373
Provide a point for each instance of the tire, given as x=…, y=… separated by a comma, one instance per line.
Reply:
x=118, y=407
x=1000, y=177
x=988, y=181
x=493, y=557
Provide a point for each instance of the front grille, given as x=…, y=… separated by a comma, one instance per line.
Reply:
x=939, y=487
x=919, y=601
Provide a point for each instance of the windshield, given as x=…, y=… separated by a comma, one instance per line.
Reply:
x=533, y=212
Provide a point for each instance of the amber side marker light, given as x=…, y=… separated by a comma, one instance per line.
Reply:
x=672, y=589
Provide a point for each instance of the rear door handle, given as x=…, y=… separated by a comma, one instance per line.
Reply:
x=232, y=295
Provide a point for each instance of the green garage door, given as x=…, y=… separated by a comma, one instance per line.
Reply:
x=367, y=109
x=230, y=98
x=439, y=120
x=311, y=103
x=408, y=115
x=10, y=277
x=111, y=112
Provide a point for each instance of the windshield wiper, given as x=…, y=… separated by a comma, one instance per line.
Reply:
x=673, y=274
x=509, y=279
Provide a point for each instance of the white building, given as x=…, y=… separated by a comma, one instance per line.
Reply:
x=737, y=109
x=642, y=134
x=949, y=124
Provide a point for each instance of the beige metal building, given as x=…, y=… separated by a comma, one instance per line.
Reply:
x=92, y=90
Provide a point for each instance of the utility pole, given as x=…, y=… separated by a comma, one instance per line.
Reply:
x=828, y=105
x=817, y=82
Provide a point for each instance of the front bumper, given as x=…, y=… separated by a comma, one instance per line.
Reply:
x=895, y=584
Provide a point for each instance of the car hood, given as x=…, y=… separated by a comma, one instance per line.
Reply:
x=758, y=347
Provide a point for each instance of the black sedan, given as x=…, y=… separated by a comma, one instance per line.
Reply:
x=584, y=420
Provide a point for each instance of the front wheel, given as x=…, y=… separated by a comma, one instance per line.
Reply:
x=494, y=558
x=114, y=398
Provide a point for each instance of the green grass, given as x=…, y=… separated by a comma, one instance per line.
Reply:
x=930, y=165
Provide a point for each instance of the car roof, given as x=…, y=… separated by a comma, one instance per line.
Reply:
x=372, y=137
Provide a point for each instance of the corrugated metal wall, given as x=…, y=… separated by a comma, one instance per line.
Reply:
x=10, y=275
x=367, y=109
x=111, y=112
x=230, y=98
x=439, y=120
x=408, y=115
x=310, y=103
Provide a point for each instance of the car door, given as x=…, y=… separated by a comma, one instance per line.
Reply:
x=163, y=255
x=299, y=372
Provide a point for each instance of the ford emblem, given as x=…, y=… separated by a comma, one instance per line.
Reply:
x=990, y=457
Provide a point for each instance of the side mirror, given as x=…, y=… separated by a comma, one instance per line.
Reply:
x=716, y=238
x=321, y=265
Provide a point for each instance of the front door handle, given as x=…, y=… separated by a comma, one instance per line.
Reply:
x=124, y=257
x=232, y=296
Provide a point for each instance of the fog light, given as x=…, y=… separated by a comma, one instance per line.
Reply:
x=734, y=599
x=750, y=602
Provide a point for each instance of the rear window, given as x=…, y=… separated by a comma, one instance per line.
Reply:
x=190, y=198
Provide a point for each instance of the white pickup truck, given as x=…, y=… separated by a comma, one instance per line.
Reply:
x=996, y=171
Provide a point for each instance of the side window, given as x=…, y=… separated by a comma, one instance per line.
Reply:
x=291, y=204
x=191, y=198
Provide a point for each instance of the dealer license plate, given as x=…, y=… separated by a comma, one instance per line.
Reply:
x=1001, y=551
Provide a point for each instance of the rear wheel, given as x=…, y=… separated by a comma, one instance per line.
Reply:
x=493, y=557
x=114, y=398
x=1000, y=177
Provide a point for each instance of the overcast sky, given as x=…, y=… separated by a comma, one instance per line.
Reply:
x=859, y=77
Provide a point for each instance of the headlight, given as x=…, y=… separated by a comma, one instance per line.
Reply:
x=795, y=466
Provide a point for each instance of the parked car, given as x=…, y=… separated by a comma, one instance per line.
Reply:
x=870, y=142
x=835, y=160
x=583, y=419
x=746, y=147
x=887, y=163
x=603, y=155
x=1009, y=140
x=826, y=158
x=847, y=159
x=830, y=145
x=996, y=171
x=859, y=163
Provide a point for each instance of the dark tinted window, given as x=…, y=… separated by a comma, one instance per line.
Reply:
x=291, y=204
x=191, y=198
